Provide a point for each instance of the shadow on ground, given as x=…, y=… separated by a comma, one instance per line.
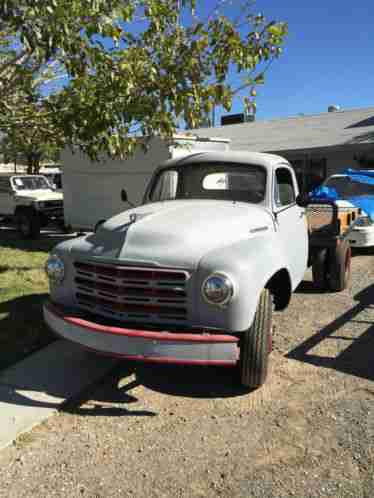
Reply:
x=10, y=238
x=112, y=395
x=109, y=397
x=22, y=330
x=192, y=381
x=358, y=358
x=186, y=381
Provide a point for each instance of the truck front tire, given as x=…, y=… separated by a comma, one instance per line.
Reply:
x=28, y=224
x=256, y=343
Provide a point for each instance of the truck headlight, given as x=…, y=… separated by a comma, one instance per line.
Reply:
x=217, y=289
x=55, y=269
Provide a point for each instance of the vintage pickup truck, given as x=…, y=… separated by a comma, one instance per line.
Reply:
x=193, y=274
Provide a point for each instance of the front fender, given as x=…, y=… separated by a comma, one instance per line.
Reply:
x=250, y=264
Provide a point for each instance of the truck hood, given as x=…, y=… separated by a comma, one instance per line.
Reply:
x=39, y=195
x=173, y=233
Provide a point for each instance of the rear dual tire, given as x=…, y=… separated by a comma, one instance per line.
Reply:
x=332, y=268
x=340, y=267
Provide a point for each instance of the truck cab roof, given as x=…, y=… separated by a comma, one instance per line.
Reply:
x=243, y=157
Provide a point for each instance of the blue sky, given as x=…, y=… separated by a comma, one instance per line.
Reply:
x=328, y=57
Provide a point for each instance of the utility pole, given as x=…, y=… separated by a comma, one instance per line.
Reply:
x=213, y=120
x=179, y=7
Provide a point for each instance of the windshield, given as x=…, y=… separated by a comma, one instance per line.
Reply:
x=346, y=188
x=30, y=183
x=219, y=181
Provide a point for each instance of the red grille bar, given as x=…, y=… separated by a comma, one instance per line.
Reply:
x=130, y=307
x=132, y=273
x=130, y=291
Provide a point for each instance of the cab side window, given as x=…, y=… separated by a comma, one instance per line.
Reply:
x=166, y=186
x=5, y=185
x=284, y=188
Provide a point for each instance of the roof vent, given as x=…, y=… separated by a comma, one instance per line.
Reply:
x=333, y=108
x=231, y=119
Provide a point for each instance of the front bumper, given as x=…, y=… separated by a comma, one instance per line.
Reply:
x=361, y=237
x=143, y=345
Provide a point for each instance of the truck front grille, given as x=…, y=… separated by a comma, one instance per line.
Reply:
x=54, y=204
x=131, y=293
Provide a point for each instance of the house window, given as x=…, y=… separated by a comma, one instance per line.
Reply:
x=310, y=173
x=298, y=166
x=316, y=173
x=365, y=162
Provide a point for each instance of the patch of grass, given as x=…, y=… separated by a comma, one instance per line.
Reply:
x=23, y=288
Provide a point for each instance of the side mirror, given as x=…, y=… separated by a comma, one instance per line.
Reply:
x=302, y=200
x=124, y=195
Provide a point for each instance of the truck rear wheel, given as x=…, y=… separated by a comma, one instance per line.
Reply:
x=340, y=266
x=320, y=269
x=256, y=344
x=28, y=224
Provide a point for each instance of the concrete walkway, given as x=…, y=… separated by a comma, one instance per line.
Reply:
x=35, y=388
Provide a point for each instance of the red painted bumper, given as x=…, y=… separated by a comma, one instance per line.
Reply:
x=144, y=345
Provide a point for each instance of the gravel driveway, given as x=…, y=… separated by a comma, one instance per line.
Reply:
x=169, y=431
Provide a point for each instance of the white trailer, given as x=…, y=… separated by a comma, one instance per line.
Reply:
x=92, y=190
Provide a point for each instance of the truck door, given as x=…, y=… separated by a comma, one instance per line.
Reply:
x=291, y=223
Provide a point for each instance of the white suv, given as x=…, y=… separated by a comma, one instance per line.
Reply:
x=30, y=201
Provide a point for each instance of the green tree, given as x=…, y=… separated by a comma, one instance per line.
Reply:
x=133, y=67
x=28, y=146
x=29, y=133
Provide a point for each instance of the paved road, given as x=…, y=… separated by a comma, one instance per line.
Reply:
x=168, y=431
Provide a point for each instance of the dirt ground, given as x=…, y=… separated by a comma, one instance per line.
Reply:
x=178, y=431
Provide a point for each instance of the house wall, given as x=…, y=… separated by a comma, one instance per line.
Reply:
x=338, y=162
x=92, y=190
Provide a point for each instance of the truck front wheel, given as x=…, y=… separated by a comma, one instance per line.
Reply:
x=256, y=344
x=28, y=224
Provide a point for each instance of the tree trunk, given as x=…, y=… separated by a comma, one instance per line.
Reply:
x=29, y=164
x=36, y=166
x=33, y=164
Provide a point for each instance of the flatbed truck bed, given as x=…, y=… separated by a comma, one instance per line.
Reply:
x=329, y=224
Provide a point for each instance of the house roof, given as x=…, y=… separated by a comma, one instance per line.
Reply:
x=329, y=129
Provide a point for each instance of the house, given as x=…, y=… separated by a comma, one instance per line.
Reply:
x=317, y=145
